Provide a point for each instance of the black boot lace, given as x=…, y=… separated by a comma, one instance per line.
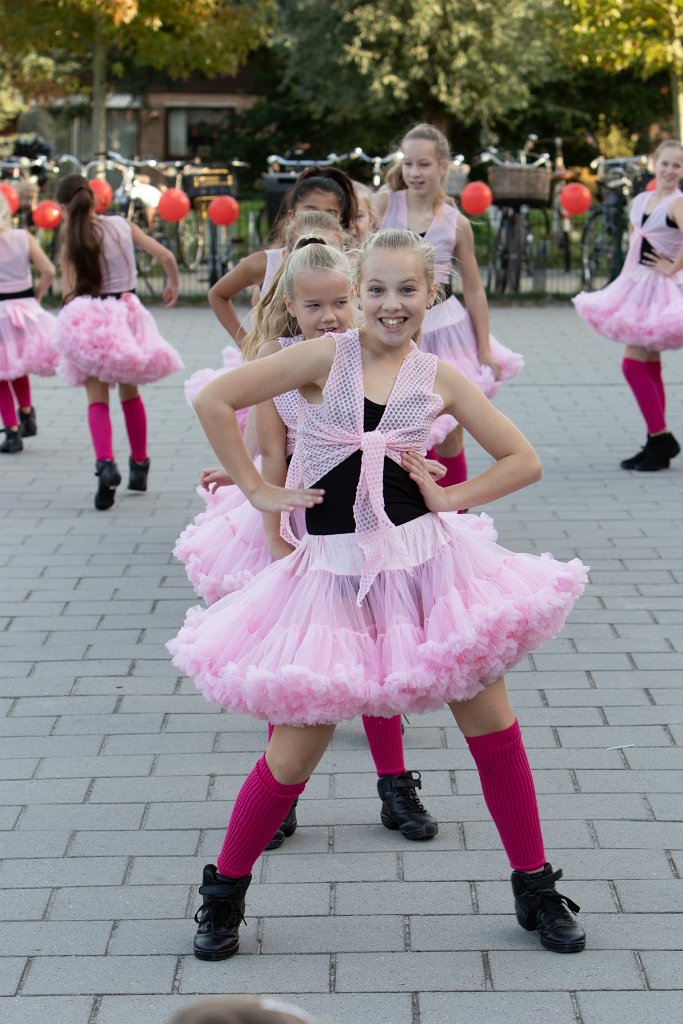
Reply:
x=218, y=909
x=406, y=786
x=549, y=899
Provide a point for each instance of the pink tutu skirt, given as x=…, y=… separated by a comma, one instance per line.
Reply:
x=450, y=612
x=642, y=307
x=27, y=344
x=113, y=340
x=449, y=334
x=194, y=384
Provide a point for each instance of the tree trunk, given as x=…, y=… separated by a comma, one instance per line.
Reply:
x=677, y=102
x=99, y=91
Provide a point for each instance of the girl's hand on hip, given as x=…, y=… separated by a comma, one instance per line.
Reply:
x=495, y=367
x=268, y=498
x=656, y=261
x=215, y=477
x=436, y=470
x=435, y=497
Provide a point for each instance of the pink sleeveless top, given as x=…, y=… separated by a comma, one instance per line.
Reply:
x=15, y=266
x=274, y=258
x=332, y=431
x=119, y=273
x=664, y=239
x=440, y=234
x=289, y=404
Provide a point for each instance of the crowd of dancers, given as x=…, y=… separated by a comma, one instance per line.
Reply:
x=340, y=570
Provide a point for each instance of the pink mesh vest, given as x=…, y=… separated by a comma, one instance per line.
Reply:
x=440, y=233
x=119, y=273
x=274, y=258
x=332, y=431
x=661, y=237
x=15, y=268
x=289, y=404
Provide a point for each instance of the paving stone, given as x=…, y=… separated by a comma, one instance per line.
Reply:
x=100, y=974
x=55, y=938
x=664, y=969
x=643, y=896
x=534, y=971
x=79, y=816
x=401, y=972
x=306, y=973
x=11, y=970
x=629, y=1007
x=56, y=1009
x=334, y=935
x=496, y=1008
x=403, y=898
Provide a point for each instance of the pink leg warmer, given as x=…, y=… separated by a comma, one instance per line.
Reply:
x=386, y=744
x=261, y=806
x=136, y=426
x=654, y=369
x=22, y=389
x=510, y=795
x=99, y=422
x=8, y=413
x=647, y=394
x=456, y=469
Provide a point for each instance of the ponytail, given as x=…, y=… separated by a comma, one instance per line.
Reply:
x=82, y=246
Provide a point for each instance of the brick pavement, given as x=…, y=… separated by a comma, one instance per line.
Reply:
x=116, y=776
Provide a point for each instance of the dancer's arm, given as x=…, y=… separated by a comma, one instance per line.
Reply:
x=516, y=463
x=272, y=442
x=302, y=366
x=249, y=271
x=473, y=293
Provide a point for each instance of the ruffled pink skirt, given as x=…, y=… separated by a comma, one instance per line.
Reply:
x=27, y=345
x=642, y=307
x=449, y=334
x=194, y=384
x=450, y=612
x=113, y=340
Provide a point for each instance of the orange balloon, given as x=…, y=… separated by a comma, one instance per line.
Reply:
x=11, y=195
x=173, y=205
x=575, y=198
x=103, y=193
x=47, y=215
x=223, y=210
x=476, y=198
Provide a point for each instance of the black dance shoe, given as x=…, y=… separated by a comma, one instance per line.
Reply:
x=659, y=451
x=110, y=478
x=137, y=475
x=286, y=829
x=27, y=422
x=220, y=915
x=540, y=907
x=402, y=809
x=12, y=443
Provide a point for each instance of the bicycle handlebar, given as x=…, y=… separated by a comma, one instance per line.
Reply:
x=490, y=156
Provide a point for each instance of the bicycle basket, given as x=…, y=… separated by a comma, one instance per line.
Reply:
x=456, y=179
x=515, y=183
x=207, y=184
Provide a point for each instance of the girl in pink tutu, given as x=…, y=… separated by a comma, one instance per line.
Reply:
x=26, y=330
x=319, y=189
x=310, y=296
x=455, y=333
x=105, y=336
x=643, y=308
x=387, y=603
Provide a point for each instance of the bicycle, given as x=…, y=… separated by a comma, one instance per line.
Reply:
x=518, y=185
x=605, y=235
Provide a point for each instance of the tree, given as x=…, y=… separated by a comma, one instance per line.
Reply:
x=643, y=35
x=181, y=36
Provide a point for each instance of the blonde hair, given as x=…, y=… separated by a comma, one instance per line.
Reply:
x=6, y=219
x=241, y=1010
x=428, y=133
x=667, y=144
x=397, y=238
x=364, y=197
x=308, y=222
x=271, y=317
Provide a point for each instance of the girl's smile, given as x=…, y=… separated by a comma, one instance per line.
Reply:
x=394, y=295
x=321, y=303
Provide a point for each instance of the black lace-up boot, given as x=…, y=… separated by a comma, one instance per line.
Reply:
x=286, y=829
x=220, y=915
x=540, y=907
x=636, y=459
x=137, y=475
x=12, y=443
x=27, y=422
x=109, y=480
x=659, y=451
x=401, y=806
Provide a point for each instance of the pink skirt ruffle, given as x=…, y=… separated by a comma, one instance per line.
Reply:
x=27, y=345
x=114, y=340
x=199, y=380
x=449, y=334
x=642, y=307
x=449, y=614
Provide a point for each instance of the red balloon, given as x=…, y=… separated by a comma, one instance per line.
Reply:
x=223, y=210
x=11, y=195
x=575, y=198
x=651, y=185
x=476, y=198
x=47, y=215
x=173, y=205
x=103, y=193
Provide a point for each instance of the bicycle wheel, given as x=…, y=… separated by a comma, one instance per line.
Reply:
x=537, y=236
x=190, y=240
x=499, y=262
x=515, y=243
x=599, y=246
x=143, y=260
